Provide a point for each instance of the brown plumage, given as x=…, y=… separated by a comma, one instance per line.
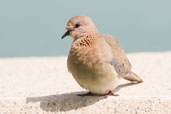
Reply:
x=96, y=61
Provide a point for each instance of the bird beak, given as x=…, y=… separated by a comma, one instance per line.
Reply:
x=66, y=34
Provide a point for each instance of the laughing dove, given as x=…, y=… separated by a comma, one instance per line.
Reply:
x=96, y=61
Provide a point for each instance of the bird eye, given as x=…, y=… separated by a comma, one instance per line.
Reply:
x=77, y=25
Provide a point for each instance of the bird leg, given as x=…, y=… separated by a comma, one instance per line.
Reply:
x=86, y=94
x=110, y=93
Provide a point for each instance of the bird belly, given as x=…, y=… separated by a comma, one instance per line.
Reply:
x=98, y=79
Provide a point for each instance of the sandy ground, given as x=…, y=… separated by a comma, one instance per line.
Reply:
x=43, y=84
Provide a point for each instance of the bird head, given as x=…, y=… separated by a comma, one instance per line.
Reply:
x=79, y=26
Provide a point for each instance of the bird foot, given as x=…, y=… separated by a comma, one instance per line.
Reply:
x=86, y=94
x=110, y=93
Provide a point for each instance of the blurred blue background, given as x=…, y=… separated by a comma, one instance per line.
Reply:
x=35, y=27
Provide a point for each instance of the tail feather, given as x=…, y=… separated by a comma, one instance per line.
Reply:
x=132, y=77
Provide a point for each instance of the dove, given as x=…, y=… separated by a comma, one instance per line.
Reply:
x=96, y=61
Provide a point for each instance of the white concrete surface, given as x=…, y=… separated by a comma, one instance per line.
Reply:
x=37, y=85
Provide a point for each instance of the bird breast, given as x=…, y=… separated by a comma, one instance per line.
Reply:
x=90, y=66
x=88, y=52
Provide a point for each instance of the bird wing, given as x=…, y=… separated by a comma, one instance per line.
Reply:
x=119, y=60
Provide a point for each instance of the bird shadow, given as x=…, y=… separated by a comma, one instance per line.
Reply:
x=69, y=101
x=64, y=102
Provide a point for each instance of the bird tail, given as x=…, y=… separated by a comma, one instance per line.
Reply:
x=132, y=77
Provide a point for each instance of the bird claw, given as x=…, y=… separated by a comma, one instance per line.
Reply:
x=110, y=93
x=86, y=94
